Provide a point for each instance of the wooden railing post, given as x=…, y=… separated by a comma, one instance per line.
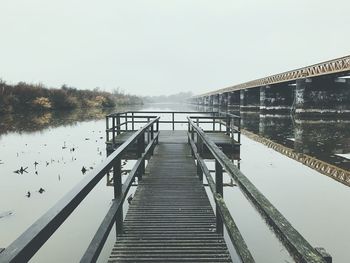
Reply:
x=117, y=183
x=126, y=121
x=132, y=121
x=157, y=130
x=220, y=191
x=228, y=125
x=148, y=131
x=113, y=129
x=192, y=137
x=152, y=132
x=118, y=123
x=140, y=151
x=199, y=150
x=188, y=130
x=173, y=120
x=107, y=128
x=239, y=130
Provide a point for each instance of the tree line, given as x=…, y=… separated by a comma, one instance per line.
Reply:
x=36, y=97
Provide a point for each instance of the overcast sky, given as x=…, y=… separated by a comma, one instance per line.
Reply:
x=151, y=47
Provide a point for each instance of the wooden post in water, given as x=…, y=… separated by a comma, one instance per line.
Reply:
x=219, y=190
x=117, y=183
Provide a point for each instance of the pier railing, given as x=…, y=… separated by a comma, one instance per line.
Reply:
x=297, y=246
x=26, y=245
x=117, y=123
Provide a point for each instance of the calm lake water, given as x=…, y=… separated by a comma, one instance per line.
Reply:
x=63, y=143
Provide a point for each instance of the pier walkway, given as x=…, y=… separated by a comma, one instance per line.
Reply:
x=170, y=218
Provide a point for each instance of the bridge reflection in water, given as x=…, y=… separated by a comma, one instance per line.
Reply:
x=322, y=144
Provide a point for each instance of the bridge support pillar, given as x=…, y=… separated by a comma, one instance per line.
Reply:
x=216, y=98
x=250, y=99
x=322, y=97
x=234, y=99
x=223, y=100
x=277, y=98
x=211, y=100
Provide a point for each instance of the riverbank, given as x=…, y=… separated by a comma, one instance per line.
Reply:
x=36, y=97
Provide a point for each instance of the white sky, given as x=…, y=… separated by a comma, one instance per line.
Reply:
x=151, y=47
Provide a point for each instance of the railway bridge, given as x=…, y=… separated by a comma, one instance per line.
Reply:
x=322, y=89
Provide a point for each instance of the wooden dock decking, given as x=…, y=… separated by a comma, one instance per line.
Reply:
x=170, y=218
x=227, y=144
x=178, y=136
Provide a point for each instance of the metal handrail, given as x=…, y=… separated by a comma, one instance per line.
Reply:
x=27, y=244
x=291, y=238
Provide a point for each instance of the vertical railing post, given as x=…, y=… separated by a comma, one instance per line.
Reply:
x=199, y=151
x=113, y=129
x=228, y=125
x=157, y=130
x=132, y=121
x=239, y=129
x=213, y=123
x=219, y=190
x=192, y=137
x=107, y=128
x=173, y=120
x=118, y=123
x=140, y=151
x=188, y=130
x=148, y=131
x=152, y=131
x=117, y=183
x=126, y=121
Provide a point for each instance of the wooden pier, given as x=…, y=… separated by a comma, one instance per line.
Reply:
x=170, y=218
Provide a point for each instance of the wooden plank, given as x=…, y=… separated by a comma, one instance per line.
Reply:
x=170, y=218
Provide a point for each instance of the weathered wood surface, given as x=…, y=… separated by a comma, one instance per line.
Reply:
x=170, y=218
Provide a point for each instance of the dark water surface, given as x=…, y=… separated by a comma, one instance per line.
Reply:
x=317, y=206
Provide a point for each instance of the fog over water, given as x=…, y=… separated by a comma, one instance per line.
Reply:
x=152, y=47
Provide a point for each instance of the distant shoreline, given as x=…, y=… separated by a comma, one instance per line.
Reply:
x=38, y=98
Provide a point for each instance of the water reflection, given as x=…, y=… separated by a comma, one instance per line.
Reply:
x=325, y=142
x=328, y=140
x=37, y=121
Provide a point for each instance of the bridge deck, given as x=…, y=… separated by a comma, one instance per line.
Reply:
x=170, y=218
